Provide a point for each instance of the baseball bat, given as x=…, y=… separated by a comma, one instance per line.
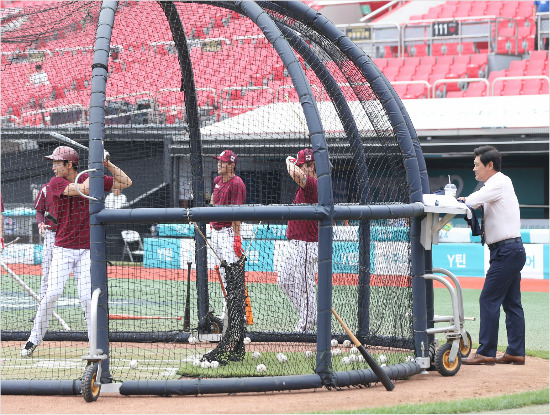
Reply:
x=12, y=242
x=67, y=140
x=370, y=360
x=248, y=305
x=186, y=316
x=32, y=293
x=50, y=217
x=132, y=317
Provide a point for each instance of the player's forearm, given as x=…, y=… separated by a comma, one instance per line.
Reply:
x=84, y=188
x=236, y=228
x=39, y=216
x=121, y=179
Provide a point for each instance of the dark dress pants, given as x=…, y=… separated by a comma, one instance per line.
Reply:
x=502, y=287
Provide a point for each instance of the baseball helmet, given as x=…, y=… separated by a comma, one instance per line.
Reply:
x=227, y=156
x=63, y=153
x=305, y=156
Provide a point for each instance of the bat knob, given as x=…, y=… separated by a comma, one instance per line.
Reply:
x=106, y=155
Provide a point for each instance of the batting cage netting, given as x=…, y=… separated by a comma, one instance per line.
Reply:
x=273, y=172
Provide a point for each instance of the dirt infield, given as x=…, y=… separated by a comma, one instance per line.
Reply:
x=469, y=382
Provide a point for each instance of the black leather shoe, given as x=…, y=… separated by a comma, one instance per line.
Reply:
x=508, y=358
x=478, y=359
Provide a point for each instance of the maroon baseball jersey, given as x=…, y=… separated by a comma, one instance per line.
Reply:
x=45, y=203
x=232, y=192
x=73, y=214
x=304, y=230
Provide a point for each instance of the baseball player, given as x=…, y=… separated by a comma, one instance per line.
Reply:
x=229, y=189
x=297, y=277
x=71, y=252
x=44, y=203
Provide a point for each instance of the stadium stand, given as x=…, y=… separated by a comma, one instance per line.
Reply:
x=506, y=52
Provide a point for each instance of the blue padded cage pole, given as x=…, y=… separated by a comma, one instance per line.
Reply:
x=387, y=98
x=319, y=145
x=420, y=253
x=356, y=147
x=96, y=136
x=192, y=113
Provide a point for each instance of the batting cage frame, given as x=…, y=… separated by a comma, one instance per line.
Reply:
x=283, y=25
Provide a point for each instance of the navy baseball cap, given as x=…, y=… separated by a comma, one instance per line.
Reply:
x=304, y=156
x=227, y=156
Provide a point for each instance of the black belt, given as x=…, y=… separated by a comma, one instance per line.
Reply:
x=504, y=242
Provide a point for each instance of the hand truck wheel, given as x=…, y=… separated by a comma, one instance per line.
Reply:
x=90, y=388
x=442, y=363
x=465, y=350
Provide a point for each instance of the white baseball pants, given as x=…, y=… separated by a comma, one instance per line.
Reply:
x=47, y=252
x=297, y=281
x=64, y=261
x=222, y=243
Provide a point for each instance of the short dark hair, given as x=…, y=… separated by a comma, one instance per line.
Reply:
x=487, y=154
x=38, y=67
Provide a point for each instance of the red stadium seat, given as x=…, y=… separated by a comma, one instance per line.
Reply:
x=405, y=73
x=517, y=68
x=463, y=9
x=531, y=86
x=423, y=72
x=534, y=67
x=400, y=89
x=461, y=60
x=537, y=55
x=381, y=63
x=545, y=87
x=419, y=50
x=476, y=89
x=467, y=48
x=416, y=91
x=451, y=86
x=512, y=87
x=391, y=72
x=455, y=94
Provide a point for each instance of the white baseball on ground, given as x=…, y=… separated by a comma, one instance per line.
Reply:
x=346, y=343
x=281, y=357
x=256, y=355
x=192, y=340
x=309, y=353
x=261, y=368
x=247, y=340
x=205, y=364
x=352, y=358
x=134, y=364
x=410, y=359
x=196, y=362
x=360, y=358
x=345, y=360
x=354, y=350
x=334, y=342
x=215, y=364
x=382, y=358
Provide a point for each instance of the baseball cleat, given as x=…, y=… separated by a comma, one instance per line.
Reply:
x=28, y=349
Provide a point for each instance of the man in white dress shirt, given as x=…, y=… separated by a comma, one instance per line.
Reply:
x=116, y=200
x=501, y=229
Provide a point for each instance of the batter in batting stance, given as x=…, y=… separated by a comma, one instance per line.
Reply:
x=71, y=252
x=44, y=203
x=229, y=189
x=297, y=278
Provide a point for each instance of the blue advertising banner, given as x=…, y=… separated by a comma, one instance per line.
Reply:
x=463, y=260
x=162, y=253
